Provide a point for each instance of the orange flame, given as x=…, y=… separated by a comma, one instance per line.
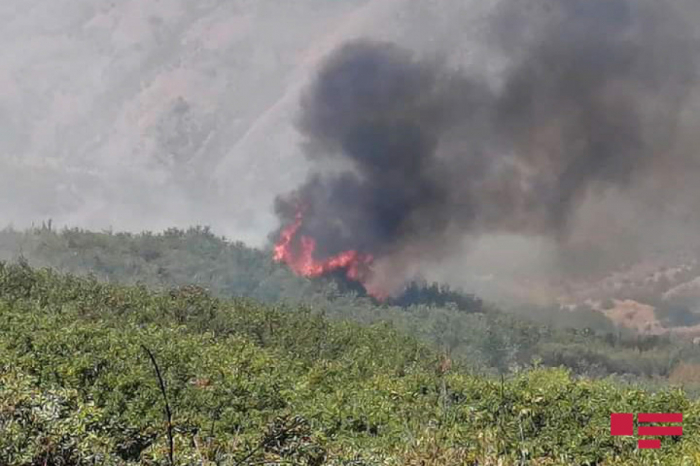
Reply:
x=300, y=257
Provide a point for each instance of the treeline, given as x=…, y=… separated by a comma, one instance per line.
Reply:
x=196, y=256
x=453, y=322
x=420, y=292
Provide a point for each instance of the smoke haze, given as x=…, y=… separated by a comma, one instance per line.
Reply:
x=550, y=138
x=590, y=102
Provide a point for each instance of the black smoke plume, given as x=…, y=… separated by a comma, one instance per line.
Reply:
x=426, y=154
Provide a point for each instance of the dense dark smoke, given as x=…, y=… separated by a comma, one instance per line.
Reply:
x=590, y=100
x=377, y=107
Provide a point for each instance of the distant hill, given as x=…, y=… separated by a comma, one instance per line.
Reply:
x=148, y=114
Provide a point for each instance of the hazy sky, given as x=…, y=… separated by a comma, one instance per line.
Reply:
x=144, y=114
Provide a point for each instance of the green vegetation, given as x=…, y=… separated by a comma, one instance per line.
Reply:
x=476, y=334
x=257, y=384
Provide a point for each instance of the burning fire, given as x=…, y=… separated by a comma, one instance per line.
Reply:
x=298, y=253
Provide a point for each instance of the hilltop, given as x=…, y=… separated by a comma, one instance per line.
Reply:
x=452, y=322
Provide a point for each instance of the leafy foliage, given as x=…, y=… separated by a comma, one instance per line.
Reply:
x=250, y=383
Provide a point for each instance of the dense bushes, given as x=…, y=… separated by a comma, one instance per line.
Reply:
x=457, y=323
x=250, y=383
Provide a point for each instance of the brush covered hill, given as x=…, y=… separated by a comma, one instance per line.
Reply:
x=459, y=324
x=249, y=383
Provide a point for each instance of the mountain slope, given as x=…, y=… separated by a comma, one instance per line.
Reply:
x=155, y=113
